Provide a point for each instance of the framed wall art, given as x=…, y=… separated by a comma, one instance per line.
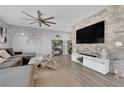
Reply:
x=3, y=34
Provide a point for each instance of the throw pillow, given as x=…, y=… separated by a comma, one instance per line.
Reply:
x=2, y=60
x=4, y=54
x=10, y=51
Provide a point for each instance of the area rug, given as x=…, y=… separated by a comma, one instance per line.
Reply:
x=60, y=77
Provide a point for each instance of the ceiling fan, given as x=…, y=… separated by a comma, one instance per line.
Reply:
x=40, y=20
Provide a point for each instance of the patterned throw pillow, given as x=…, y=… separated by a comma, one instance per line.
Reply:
x=4, y=54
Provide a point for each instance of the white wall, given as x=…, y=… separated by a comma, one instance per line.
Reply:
x=41, y=43
x=7, y=44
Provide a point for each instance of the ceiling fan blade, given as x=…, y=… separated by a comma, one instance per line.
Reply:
x=32, y=22
x=29, y=15
x=27, y=19
x=39, y=24
x=39, y=19
x=49, y=18
x=39, y=14
x=45, y=23
x=50, y=22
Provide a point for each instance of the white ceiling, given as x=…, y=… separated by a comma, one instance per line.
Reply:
x=65, y=16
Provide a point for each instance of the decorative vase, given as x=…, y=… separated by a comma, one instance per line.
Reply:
x=103, y=54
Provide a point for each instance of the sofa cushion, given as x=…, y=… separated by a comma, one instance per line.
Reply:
x=2, y=60
x=17, y=76
x=9, y=64
x=4, y=54
x=14, y=58
x=10, y=51
x=26, y=57
x=17, y=59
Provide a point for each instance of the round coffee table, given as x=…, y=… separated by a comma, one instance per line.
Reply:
x=43, y=61
x=36, y=61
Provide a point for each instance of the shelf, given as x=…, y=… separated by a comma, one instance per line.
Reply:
x=57, y=47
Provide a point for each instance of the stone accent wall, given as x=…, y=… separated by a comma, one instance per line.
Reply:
x=114, y=31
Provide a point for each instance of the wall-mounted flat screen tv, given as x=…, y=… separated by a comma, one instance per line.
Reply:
x=91, y=34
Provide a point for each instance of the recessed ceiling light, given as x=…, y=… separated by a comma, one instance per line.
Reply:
x=22, y=34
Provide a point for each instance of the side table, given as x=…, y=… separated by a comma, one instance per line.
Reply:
x=113, y=66
x=117, y=67
x=120, y=68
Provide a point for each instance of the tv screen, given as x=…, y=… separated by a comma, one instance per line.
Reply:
x=91, y=34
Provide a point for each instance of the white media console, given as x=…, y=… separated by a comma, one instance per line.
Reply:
x=98, y=64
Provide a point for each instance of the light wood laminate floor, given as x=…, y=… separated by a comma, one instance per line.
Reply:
x=71, y=74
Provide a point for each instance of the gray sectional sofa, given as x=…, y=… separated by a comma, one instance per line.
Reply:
x=21, y=76
x=15, y=72
x=16, y=60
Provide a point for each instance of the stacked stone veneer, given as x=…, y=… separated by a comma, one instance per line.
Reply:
x=114, y=31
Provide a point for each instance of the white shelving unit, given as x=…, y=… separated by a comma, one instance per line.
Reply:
x=57, y=47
